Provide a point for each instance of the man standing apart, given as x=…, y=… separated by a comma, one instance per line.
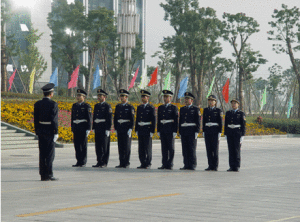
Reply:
x=235, y=122
x=144, y=128
x=81, y=124
x=101, y=126
x=46, y=128
x=167, y=126
x=123, y=123
x=212, y=129
x=189, y=126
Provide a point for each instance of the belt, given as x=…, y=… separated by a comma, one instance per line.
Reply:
x=99, y=120
x=164, y=121
x=211, y=124
x=123, y=121
x=79, y=121
x=45, y=123
x=188, y=124
x=144, y=123
x=232, y=126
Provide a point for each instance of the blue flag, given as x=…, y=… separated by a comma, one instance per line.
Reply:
x=97, y=81
x=183, y=87
x=53, y=78
x=290, y=105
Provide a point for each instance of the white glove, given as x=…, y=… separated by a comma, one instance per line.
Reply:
x=129, y=133
x=55, y=137
x=196, y=136
x=219, y=136
x=241, y=140
x=203, y=134
x=174, y=135
x=107, y=132
x=137, y=133
x=151, y=134
x=87, y=133
x=158, y=134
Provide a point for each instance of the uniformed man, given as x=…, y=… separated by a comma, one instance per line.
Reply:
x=81, y=124
x=189, y=126
x=212, y=129
x=167, y=126
x=46, y=128
x=235, y=122
x=144, y=128
x=123, y=123
x=101, y=125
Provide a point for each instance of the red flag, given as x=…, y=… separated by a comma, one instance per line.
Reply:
x=11, y=79
x=134, y=78
x=153, y=80
x=74, y=77
x=225, y=91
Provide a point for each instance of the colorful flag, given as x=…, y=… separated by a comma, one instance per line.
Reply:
x=74, y=77
x=31, y=81
x=53, y=78
x=211, y=86
x=153, y=80
x=167, y=85
x=11, y=79
x=144, y=79
x=97, y=80
x=263, y=99
x=134, y=78
x=290, y=105
x=183, y=87
x=225, y=91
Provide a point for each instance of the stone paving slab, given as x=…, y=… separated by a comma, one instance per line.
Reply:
x=266, y=189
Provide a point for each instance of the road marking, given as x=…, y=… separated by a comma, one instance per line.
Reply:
x=96, y=205
x=284, y=219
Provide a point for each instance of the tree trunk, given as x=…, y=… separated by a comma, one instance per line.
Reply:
x=90, y=77
x=241, y=86
x=3, y=66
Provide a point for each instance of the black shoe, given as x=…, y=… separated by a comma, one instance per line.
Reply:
x=161, y=168
x=208, y=169
x=53, y=178
x=141, y=167
x=103, y=166
x=97, y=165
x=119, y=166
x=233, y=170
x=45, y=178
x=76, y=165
x=184, y=168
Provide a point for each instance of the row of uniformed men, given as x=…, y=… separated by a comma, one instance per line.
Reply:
x=167, y=127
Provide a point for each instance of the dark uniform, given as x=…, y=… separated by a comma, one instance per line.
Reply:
x=101, y=123
x=123, y=121
x=46, y=126
x=144, y=125
x=189, y=126
x=212, y=126
x=167, y=124
x=235, y=122
x=81, y=121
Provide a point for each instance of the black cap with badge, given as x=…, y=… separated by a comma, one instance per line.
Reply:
x=235, y=100
x=48, y=87
x=189, y=95
x=82, y=92
x=123, y=92
x=145, y=93
x=167, y=93
x=101, y=92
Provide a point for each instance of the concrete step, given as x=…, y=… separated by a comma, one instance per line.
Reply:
x=7, y=131
x=18, y=146
x=17, y=137
x=3, y=127
x=8, y=142
x=14, y=135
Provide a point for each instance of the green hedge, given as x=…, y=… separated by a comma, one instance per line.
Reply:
x=286, y=125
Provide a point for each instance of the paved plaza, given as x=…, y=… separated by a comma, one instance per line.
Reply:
x=266, y=189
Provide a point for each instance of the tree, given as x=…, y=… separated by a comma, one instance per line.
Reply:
x=286, y=29
x=239, y=27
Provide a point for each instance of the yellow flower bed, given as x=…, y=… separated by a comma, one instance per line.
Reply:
x=20, y=113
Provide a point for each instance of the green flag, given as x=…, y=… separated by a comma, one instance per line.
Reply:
x=167, y=85
x=290, y=106
x=211, y=86
x=264, y=99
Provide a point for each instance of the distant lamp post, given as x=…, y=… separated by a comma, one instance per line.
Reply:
x=128, y=27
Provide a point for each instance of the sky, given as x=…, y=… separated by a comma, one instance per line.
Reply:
x=260, y=10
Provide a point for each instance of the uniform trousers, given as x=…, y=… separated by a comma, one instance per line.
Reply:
x=80, y=144
x=212, y=149
x=145, y=150
x=124, y=148
x=46, y=155
x=234, y=149
x=189, y=144
x=102, y=146
x=167, y=149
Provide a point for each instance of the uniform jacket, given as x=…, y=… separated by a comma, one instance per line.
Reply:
x=125, y=112
x=214, y=116
x=81, y=111
x=145, y=114
x=189, y=115
x=167, y=113
x=102, y=111
x=236, y=118
x=46, y=110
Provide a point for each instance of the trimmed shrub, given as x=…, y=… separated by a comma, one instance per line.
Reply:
x=286, y=125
